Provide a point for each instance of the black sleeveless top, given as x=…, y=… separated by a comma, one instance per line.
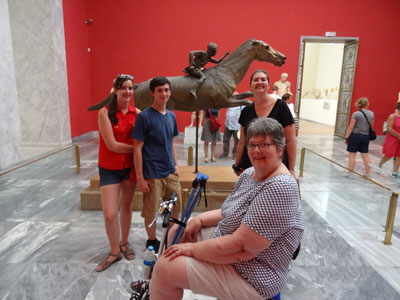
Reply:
x=279, y=112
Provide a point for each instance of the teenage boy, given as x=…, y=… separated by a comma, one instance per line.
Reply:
x=155, y=156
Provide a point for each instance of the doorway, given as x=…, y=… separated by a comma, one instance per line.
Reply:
x=325, y=84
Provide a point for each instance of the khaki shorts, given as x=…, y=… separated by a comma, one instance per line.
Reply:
x=219, y=281
x=161, y=188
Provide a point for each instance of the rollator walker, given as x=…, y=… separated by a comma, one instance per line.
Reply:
x=165, y=210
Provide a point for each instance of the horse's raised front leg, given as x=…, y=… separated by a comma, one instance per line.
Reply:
x=244, y=95
x=233, y=101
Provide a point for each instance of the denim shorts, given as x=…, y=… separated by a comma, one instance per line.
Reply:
x=108, y=177
x=358, y=143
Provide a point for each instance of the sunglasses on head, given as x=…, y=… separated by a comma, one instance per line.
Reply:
x=125, y=76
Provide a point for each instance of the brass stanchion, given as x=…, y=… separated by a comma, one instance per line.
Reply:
x=185, y=196
x=303, y=153
x=196, y=168
x=390, y=218
x=298, y=186
x=393, y=199
x=78, y=160
x=190, y=156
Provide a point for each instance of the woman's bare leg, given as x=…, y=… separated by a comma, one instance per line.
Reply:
x=109, y=199
x=169, y=279
x=127, y=192
x=396, y=164
x=213, y=146
x=383, y=160
x=205, y=151
x=367, y=161
x=352, y=160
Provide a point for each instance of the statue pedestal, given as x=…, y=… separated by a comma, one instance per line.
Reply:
x=220, y=184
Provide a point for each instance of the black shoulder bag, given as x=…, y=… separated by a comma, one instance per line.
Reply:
x=372, y=133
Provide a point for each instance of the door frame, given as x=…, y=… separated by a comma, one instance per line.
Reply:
x=322, y=39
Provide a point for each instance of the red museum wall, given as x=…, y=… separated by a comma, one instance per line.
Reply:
x=78, y=67
x=151, y=38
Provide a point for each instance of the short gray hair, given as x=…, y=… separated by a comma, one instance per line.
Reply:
x=266, y=127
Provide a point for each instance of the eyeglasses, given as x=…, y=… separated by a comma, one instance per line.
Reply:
x=125, y=76
x=261, y=146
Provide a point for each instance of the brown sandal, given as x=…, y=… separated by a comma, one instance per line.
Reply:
x=105, y=263
x=128, y=251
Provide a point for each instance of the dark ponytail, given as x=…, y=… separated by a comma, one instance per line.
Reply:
x=113, y=110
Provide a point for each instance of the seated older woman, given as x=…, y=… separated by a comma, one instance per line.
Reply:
x=243, y=250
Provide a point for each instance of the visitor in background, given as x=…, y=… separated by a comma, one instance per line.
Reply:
x=231, y=129
x=288, y=99
x=357, y=134
x=275, y=92
x=208, y=136
x=391, y=146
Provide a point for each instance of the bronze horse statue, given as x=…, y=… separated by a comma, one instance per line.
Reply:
x=216, y=91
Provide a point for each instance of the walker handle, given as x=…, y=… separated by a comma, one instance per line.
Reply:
x=166, y=218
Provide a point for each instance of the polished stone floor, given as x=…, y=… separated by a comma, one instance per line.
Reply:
x=49, y=247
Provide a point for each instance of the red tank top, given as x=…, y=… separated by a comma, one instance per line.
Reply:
x=122, y=132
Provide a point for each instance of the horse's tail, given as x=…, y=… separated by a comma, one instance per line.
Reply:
x=102, y=103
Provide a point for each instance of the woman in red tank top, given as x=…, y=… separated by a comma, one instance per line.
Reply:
x=117, y=181
x=391, y=146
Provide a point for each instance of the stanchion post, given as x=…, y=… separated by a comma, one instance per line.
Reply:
x=190, y=156
x=303, y=153
x=78, y=160
x=196, y=169
x=185, y=196
x=390, y=218
x=298, y=186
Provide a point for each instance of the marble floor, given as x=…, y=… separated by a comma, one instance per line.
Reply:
x=49, y=247
x=30, y=153
x=314, y=128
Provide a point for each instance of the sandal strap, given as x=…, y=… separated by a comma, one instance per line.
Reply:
x=114, y=255
x=105, y=263
x=128, y=251
x=125, y=244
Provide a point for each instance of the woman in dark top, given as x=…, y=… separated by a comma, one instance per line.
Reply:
x=266, y=106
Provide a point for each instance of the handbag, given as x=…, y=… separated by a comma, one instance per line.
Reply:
x=214, y=124
x=372, y=133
